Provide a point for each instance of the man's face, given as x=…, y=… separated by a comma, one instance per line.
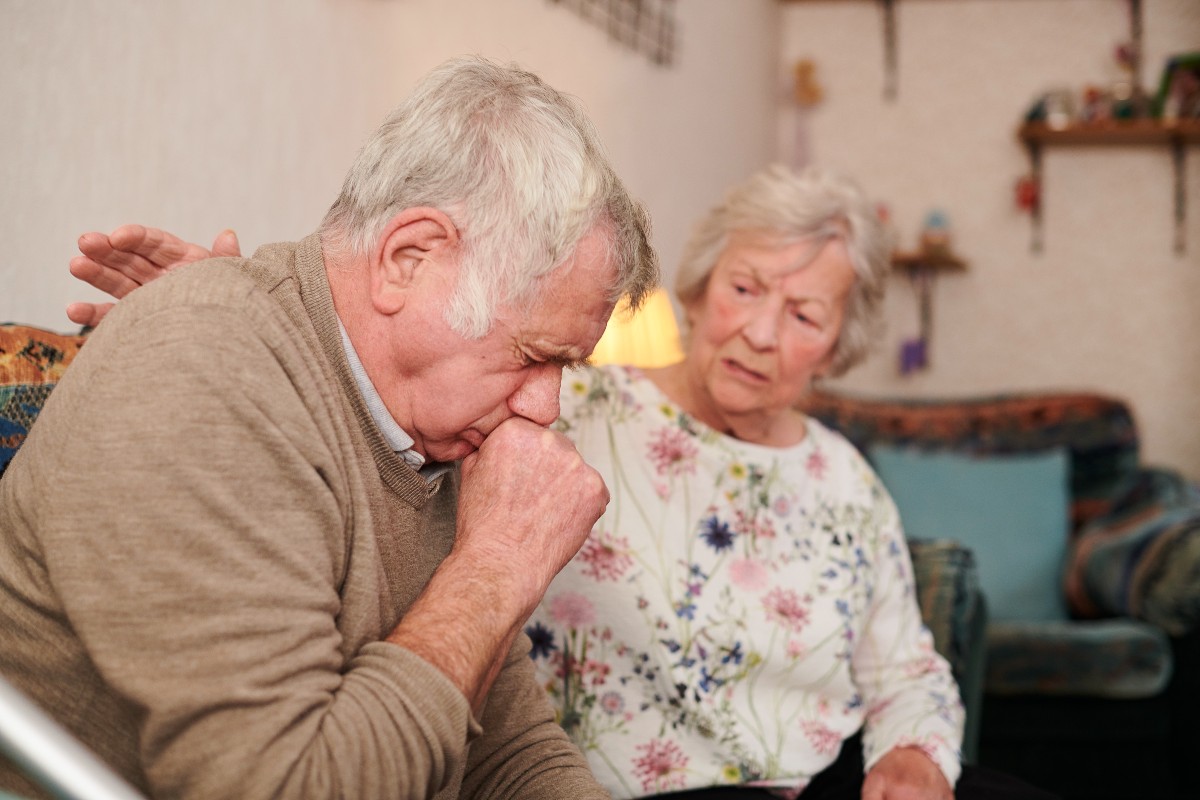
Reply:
x=464, y=388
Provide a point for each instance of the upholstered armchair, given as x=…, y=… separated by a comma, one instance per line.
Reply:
x=1090, y=564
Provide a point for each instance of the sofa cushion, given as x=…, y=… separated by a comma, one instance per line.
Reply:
x=1010, y=510
x=1142, y=559
x=32, y=360
x=1101, y=658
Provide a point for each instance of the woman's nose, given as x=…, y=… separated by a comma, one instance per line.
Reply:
x=537, y=398
x=762, y=327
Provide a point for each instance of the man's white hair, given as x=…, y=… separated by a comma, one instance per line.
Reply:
x=518, y=168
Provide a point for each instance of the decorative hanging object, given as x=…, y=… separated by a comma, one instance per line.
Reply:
x=922, y=267
x=644, y=26
x=1027, y=194
x=806, y=94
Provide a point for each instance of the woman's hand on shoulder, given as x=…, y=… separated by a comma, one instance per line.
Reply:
x=906, y=773
x=132, y=256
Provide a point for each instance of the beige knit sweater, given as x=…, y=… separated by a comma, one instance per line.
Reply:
x=204, y=541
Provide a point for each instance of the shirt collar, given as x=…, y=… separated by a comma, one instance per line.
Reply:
x=396, y=437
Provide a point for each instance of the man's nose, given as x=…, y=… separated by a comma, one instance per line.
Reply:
x=537, y=398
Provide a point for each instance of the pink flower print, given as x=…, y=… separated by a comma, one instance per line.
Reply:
x=757, y=526
x=612, y=703
x=782, y=506
x=748, y=575
x=672, y=451
x=925, y=665
x=784, y=607
x=564, y=665
x=598, y=670
x=823, y=740
x=763, y=528
x=817, y=464
x=605, y=557
x=796, y=649
x=660, y=765
x=879, y=708
x=926, y=746
x=572, y=610
x=662, y=490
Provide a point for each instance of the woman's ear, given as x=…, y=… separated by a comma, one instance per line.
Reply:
x=415, y=243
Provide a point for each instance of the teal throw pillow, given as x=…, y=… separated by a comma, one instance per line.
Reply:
x=1010, y=510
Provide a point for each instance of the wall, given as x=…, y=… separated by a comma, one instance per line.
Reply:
x=195, y=116
x=199, y=115
x=1108, y=305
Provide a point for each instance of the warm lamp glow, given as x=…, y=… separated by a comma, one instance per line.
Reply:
x=647, y=338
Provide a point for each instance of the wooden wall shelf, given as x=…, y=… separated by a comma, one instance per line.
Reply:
x=1174, y=134
x=1136, y=131
x=936, y=262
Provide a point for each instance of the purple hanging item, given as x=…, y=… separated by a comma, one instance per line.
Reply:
x=912, y=356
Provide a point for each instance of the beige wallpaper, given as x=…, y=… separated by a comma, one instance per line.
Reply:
x=196, y=116
x=1108, y=305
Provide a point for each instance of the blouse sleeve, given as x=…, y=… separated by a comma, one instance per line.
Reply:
x=911, y=697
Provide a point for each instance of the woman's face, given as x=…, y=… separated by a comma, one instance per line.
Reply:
x=764, y=328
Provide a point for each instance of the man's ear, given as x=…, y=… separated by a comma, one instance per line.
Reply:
x=413, y=244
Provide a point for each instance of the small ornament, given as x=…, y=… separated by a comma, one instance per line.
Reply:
x=935, y=233
x=805, y=89
x=1028, y=193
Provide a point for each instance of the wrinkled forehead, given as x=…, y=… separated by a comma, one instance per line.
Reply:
x=571, y=305
x=775, y=256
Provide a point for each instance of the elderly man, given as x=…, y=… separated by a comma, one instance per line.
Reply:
x=237, y=557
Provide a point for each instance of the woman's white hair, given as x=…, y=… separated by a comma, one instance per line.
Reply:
x=790, y=205
x=518, y=168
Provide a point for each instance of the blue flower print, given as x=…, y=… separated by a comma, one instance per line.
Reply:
x=717, y=534
x=543, y=640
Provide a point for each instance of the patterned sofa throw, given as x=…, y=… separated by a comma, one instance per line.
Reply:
x=1142, y=558
x=32, y=361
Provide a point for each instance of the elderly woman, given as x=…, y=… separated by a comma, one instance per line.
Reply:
x=746, y=605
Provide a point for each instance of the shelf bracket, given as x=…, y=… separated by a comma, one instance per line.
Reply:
x=1035, y=213
x=890, y=89
x=1179, y=165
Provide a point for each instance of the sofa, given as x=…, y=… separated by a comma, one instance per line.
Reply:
x=32, y=360
x=1089, y=560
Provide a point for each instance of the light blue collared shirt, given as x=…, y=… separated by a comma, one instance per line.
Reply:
x=396, y=437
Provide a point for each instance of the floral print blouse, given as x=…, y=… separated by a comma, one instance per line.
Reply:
x=738, y=611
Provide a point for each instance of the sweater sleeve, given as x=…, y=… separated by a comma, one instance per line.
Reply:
x=910, y=695
x=198, y=541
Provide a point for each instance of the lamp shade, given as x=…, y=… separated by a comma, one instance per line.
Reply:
x=647, y=338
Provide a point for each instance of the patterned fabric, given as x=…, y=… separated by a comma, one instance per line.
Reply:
x=1117, y=658
x=1142, y=559
x=31, y=362
x=1098, y=432
x=738, y=611
x=947, y=583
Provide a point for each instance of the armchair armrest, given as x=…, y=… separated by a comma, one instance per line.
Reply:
x=955, y=611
